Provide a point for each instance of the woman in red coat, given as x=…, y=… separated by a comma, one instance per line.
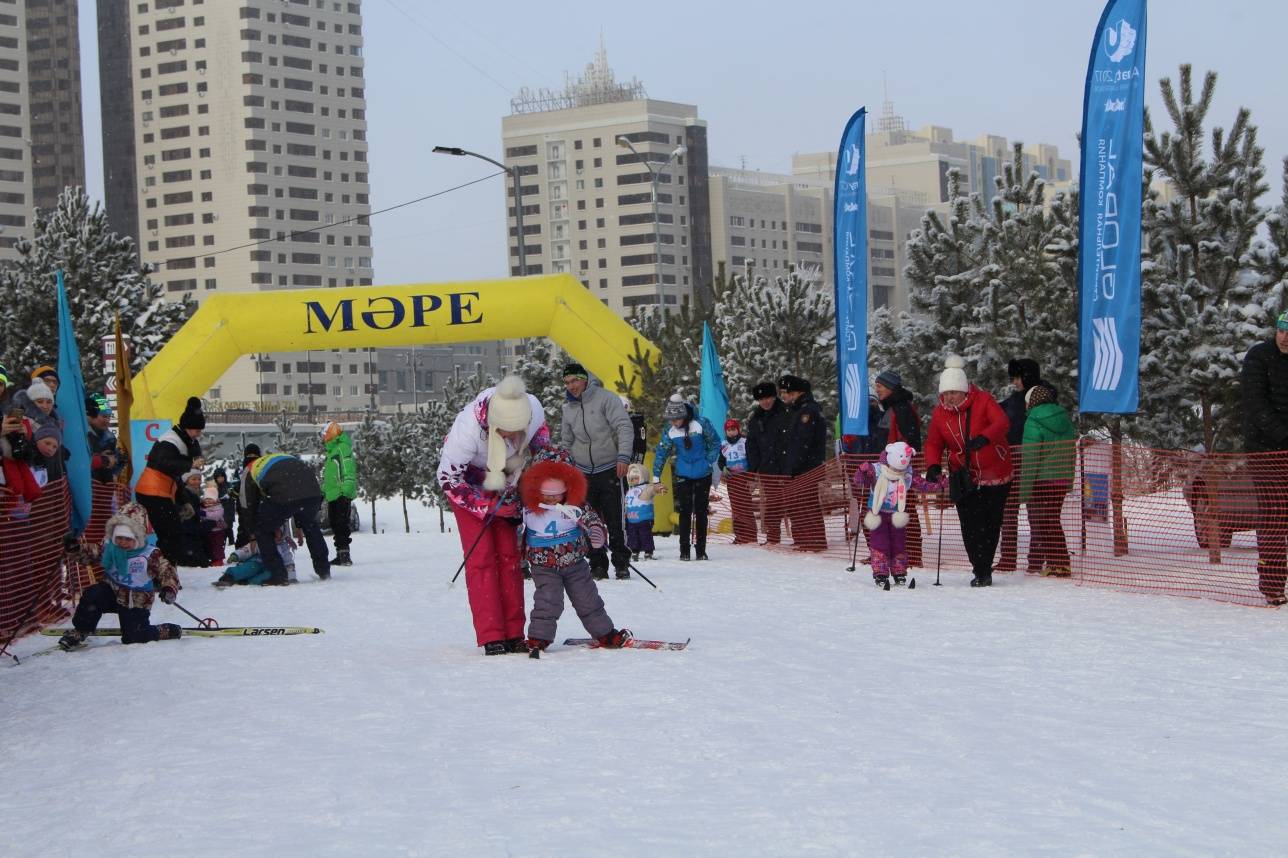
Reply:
x=971, y=427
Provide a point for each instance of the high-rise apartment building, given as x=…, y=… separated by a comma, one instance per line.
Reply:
x=907, y=175
x=42, y=146
x=770, y=222
x=235, y=153
x=588, y=204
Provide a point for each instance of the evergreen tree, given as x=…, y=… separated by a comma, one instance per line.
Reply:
x=1028, y=300
x=1269, y=257
x=765, y=328
x=103, y=277
x=1199, y=309
x=946, y=262
x=673, y=369
x=376, y=462
x=541, y=367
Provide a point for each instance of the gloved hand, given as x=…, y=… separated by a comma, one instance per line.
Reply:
x=71, y=543
x=979, y=442
x=933, y=473
x=168, y=595
x=186, y=512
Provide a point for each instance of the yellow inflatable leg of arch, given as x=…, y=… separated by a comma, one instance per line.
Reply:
x=230, y=325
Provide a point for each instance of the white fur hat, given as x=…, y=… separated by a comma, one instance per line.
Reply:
x=509, y=410
x=954, y=375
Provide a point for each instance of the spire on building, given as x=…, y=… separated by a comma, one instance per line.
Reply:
x=889, y=121
x=596, y=85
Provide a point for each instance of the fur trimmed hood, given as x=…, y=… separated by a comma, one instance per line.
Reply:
x=530, y=483
x=133, y=516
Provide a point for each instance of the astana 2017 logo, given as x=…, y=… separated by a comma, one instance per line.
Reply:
x=1120, y=41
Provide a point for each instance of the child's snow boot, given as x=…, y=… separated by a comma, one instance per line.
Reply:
x=342, y=558
x=982, y=579
x=882, y=581
x=515, y=645
x=169, y=631
x=494, y=648
x=900, y=580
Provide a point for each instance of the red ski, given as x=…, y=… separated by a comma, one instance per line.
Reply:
x=632, y=643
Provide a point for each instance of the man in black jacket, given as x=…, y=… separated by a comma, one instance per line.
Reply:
x=275, y=489
x=1024, y=373
x=1264, y=387
x=767, y=453
x=806, y=449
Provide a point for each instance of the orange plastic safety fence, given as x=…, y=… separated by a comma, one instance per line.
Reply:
x=36, y=587
x=33, y=588
x=1172, y=522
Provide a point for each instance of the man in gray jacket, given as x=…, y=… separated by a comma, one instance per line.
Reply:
x=597, y=431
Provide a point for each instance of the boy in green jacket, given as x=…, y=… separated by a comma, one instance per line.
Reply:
x=1046, y=475
x=339, y=487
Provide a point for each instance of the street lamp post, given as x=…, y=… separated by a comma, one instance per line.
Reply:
x=310, y=359
x=413, y=361
x=656, y=176
x=513, y=173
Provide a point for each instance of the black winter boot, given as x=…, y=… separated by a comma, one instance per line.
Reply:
x=515, y=645
x=169, y=632
x=982, y=579
x=72, y=640
x=615, y=639
x=494, y=648
x=342, y=558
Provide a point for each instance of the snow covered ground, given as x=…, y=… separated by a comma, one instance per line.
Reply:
x=811, y=715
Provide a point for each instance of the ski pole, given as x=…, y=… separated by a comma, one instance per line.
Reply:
x=631, y=566
x=854, y=553
x=939, y=555
x=482, y=530
x=207, y=623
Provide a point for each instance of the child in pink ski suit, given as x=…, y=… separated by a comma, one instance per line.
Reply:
x=889, y=478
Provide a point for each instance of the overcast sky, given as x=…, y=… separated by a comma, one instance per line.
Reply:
x=770, y=79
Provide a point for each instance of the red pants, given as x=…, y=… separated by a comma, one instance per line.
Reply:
x=492, y=577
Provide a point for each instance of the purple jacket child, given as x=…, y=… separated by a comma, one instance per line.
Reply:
x=889, y=478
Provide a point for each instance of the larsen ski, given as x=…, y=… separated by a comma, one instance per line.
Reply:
x=632, y=643
x=230, y=631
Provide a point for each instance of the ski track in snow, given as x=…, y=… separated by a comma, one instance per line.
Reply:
x=811, y=715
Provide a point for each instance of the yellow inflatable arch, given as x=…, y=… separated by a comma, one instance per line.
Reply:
x=228, y=326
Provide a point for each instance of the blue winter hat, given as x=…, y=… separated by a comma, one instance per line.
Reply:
x=1282, y=323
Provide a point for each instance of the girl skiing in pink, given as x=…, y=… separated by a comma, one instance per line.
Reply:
x=890, y=477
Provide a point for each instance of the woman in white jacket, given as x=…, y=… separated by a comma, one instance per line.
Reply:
x=482, y=458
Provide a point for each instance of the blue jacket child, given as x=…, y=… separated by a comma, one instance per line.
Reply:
x=695, y=443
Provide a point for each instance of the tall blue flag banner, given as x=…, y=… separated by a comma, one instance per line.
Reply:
x=713, y=399
x=70, y=400
x=1113, y=124
x=850, y=240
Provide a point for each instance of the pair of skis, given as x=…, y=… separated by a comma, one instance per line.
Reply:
x=196, y=632
x=629, y=643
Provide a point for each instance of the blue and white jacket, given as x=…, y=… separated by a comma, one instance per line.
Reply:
x=693, y=460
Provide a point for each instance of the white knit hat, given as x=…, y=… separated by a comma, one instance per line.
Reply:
x=125, y=531
x=509, y=410
x=39, y=390
x=954, y=376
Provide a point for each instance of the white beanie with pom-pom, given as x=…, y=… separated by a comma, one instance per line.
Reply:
x=509, y=410
x=954, y=375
